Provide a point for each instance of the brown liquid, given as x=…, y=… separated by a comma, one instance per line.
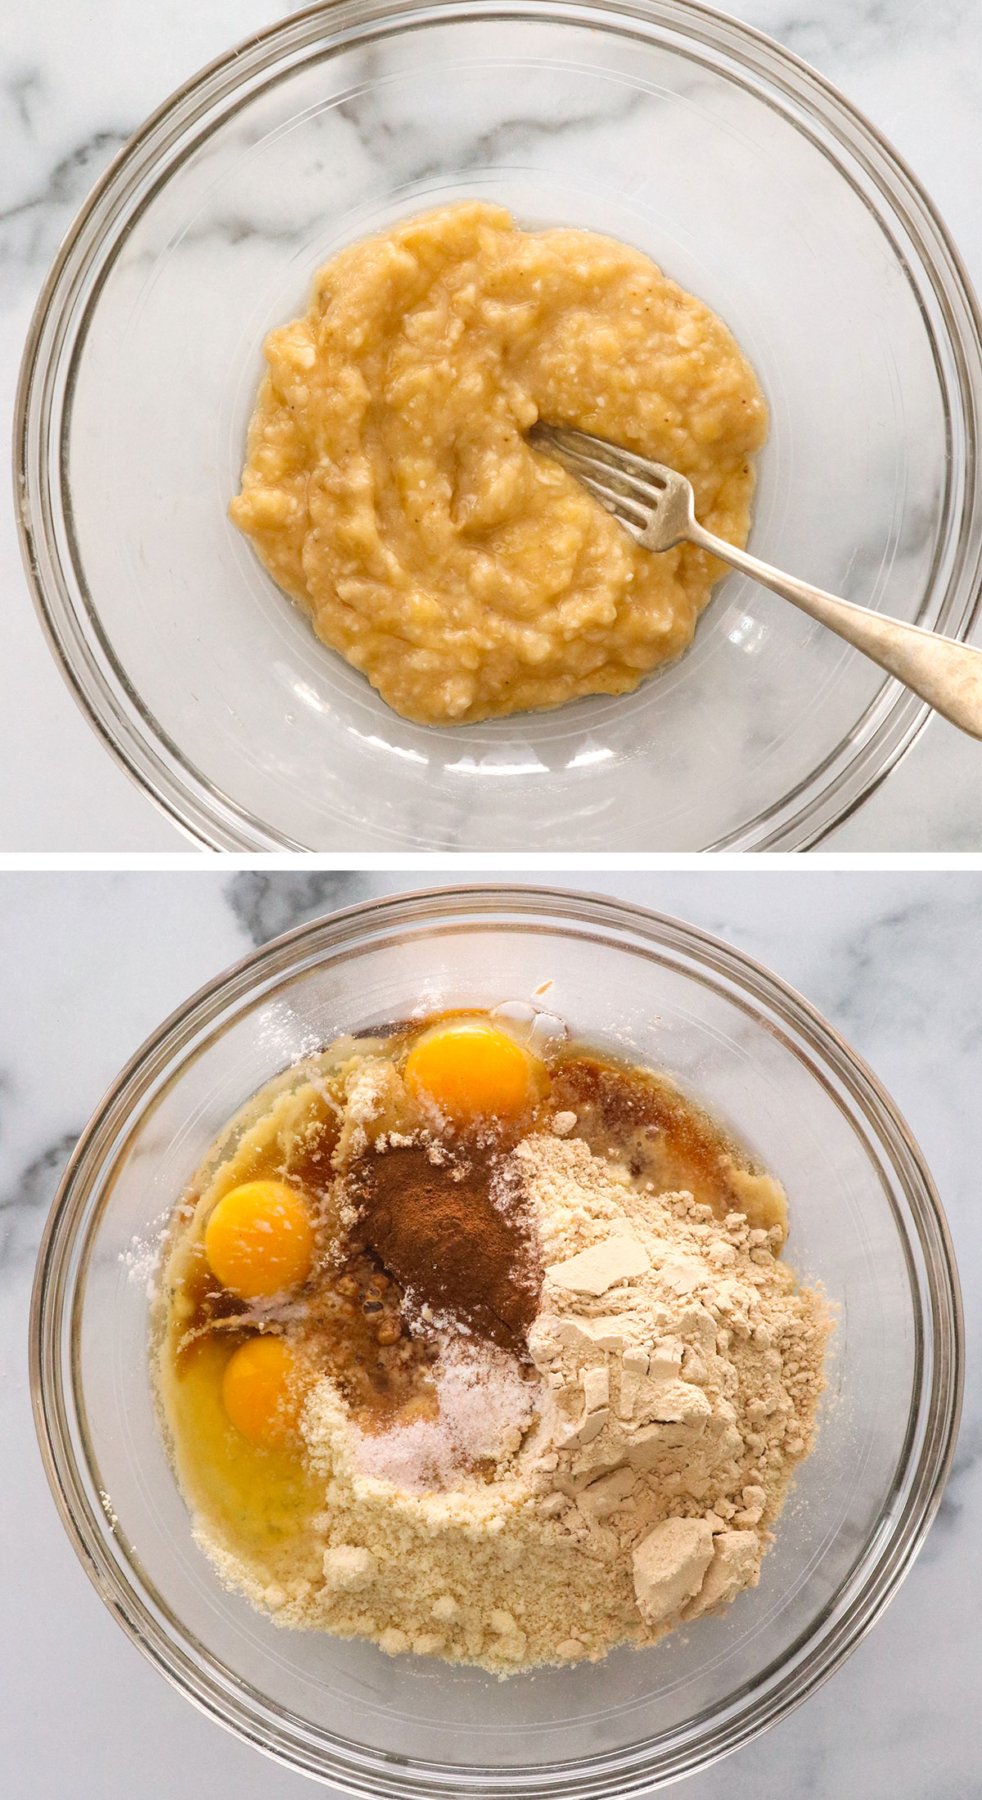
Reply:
x=355, y=1328
x=642, y=1119
x=203, y=1304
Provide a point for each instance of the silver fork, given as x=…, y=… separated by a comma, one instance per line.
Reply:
x=656, y=505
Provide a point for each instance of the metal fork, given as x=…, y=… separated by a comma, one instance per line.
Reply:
x=656, y=505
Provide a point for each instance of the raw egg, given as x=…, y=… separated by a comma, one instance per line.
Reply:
x=260, y=1239
x=262, y=1392
x=470, y=1070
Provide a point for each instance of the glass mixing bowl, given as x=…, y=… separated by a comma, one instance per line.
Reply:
x=865, y=1221
x=745, y=176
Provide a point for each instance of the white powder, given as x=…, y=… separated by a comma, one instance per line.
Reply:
x=141, y=1258
x=485, y=1407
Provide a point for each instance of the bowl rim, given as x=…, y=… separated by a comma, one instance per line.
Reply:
x=351, y=1767
x=869, y=749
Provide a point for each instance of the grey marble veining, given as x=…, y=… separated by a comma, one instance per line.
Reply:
x=89, y=964
x=65, y=108
x=266, y=905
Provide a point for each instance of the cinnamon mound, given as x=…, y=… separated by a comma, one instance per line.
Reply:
x=450, y=1239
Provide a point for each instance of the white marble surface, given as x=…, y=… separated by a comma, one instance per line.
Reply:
x=88, y=965
x=74, y=81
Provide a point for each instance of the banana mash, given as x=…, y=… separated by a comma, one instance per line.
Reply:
x=390, y=490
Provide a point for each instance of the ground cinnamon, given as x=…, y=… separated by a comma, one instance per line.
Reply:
x=451, y=1245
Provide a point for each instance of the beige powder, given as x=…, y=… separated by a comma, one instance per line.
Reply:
x=684, y=1366
x=679, y=1368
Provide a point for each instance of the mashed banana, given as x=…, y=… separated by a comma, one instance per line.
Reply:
x=390, y=490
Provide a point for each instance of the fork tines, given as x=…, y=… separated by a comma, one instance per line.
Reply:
x=625, y=484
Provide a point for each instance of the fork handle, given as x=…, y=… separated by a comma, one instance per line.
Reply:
x=946, y=674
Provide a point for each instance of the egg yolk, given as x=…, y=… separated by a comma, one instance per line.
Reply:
x=260, y=1240
x=470, y=1070
x=262, y=1392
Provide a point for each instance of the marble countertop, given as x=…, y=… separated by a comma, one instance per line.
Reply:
x=76, y=77
x=90, y=963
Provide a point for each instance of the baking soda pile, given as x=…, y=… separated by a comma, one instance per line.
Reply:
x=484, y=1409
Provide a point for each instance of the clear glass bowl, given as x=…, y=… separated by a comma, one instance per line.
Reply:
x=745, y=176
x=865, y=1221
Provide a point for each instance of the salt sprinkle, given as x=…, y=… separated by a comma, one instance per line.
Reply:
x=485, y=1407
